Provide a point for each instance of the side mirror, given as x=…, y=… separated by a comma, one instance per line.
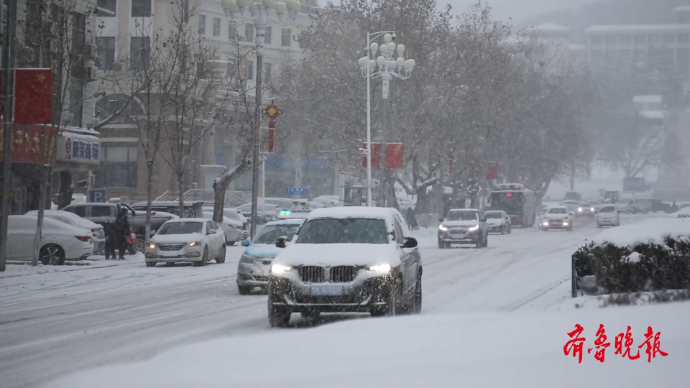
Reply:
x=211, y=232
x=483, y=219
x=281, y=242
x=410, y=242
x=153, y=232
x=245, y=243
x=440, y=220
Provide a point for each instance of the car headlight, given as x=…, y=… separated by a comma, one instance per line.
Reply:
x=380, y=268
x=195, y=243
x=592, y=209
x=579, y=209
x=546, y=223
x=279, y=268
x=565, y=223
x=442, y=228
x=152, y=245
x=473, y=228
x=246, y=258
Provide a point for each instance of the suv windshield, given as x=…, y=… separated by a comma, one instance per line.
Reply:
x=463, y=215
x=180, y=228
x=344, y=231
x=607, y=209
x=269, y=234
x=494, y=215
x=558, y=210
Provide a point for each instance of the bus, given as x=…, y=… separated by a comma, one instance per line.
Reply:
x=520, y=203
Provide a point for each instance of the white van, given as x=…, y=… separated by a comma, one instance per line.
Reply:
x=640, y=205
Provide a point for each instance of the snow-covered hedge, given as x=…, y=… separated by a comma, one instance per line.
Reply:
x=648, y=256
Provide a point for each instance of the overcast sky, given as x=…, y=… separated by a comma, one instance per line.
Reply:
x=517, y=9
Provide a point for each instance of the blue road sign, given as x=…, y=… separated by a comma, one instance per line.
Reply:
x=97, y=195
x=297, y=191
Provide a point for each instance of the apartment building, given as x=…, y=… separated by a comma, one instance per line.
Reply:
x=125, y=28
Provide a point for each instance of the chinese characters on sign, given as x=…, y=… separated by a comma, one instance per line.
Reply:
x=81, y=149
x=622, y=344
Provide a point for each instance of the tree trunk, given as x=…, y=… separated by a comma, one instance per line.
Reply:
x=41, y=212
x=221, y=184
x=180, y=199
x=149, y=200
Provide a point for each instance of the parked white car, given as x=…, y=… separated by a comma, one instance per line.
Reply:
x=195, y=240
x=267, y=212
x=60, y=241
x=498, y=221
x=608, y=215
x=232, y=229
x=97, y=233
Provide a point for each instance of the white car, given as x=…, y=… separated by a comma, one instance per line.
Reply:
x=608, y=215
x=97, y=233
x=498, y=221
x=232, y=229
x=195, y=240
x=59, y=242
x=267, y=212
x=557, y=217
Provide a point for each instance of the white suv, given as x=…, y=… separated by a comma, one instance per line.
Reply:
x=608, y=215
x=557, y=217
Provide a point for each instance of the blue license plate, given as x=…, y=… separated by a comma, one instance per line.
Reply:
x=326, y=291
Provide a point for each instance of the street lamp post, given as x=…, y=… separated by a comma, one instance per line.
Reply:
x=388, y=67
x=259, y=11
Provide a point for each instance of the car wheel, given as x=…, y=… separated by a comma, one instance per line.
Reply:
x=277, y=316
x=221, y=257
x=244, y=290
x=51, y=254
x=204, y=259
x=310, y=314
x=418, y=296
x=153, y=263
x=231, y=243
x=391, y=307
x=139, y=245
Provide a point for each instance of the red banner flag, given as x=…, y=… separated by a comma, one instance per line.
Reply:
x=394, y=155
x=375, y=155
x=31, y=143
x=33, y=96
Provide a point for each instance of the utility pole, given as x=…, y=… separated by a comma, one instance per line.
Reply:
x=7, y=123
x=260, y=24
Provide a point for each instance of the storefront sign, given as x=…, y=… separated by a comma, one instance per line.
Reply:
x=78, y=149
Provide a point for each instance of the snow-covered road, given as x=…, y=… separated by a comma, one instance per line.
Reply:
x=73, y=318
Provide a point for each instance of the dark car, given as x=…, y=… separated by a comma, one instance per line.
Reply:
x=104, y=213
x=354, y=259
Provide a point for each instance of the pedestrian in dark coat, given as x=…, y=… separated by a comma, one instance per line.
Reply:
x=110, y=240
x=121, y=231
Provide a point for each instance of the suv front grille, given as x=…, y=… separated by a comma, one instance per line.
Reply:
x=343, y=274
x=170, y=247
x=311, y=274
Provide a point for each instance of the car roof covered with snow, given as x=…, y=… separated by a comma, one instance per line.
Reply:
x=353, y=212
x=464, y=210
x=289, y=221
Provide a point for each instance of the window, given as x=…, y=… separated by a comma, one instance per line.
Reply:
x=140, y=50
x=106, y=53
x=232, y=31
x=463, y=215
x=141, y=8
x=78, y=45
x=110, y=104
x=118, y=167
x=100, y=211
x=110, y=5
x=32, y=26
x=231, y=68
x=285, y=37
x=78, y=210
x=76, y=102
x=266, y=71
x=248, y=32
x=343, y=231
x=202, y=24
x=249, y=69
x=399, y=236
x=216, y=26
x=268, y=37
x=213, y=225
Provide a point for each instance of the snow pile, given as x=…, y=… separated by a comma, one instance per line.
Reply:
x=460, y=350
x=654, y=230
x=682, y=213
